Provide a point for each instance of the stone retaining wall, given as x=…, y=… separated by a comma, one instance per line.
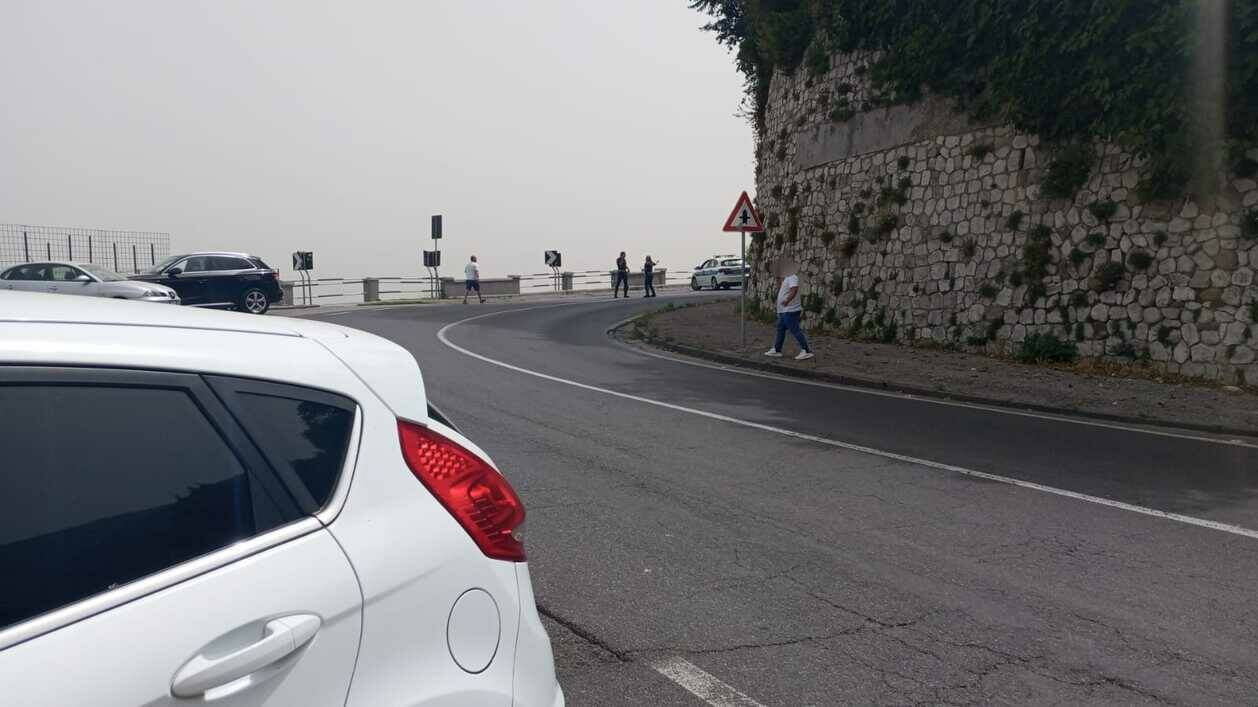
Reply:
x=905, y=220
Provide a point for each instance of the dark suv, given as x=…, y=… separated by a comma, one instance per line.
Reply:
x=227, y=280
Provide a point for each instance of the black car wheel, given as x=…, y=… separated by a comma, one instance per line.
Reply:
x=694, y=283
x=254, y=301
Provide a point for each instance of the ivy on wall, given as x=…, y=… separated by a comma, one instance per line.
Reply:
x=1071, y=71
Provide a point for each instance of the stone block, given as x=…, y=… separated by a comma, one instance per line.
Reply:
x=1192, y=370
x=1234, y=333
x=1202, y=353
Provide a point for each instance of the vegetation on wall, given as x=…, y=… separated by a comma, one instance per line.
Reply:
x=1072, y=72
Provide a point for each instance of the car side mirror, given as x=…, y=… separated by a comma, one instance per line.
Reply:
x=174, y=272
x=83, y=279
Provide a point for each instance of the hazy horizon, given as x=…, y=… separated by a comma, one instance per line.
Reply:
x=341, y=128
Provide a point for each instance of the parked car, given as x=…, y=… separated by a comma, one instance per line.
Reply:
x=208, y=508
x=82, y=279
x=720, y=272
x=221, y=280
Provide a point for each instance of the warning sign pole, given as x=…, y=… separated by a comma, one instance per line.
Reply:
x=742, y=310
x=743, y=219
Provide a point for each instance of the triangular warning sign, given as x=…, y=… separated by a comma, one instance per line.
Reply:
x=743, y=217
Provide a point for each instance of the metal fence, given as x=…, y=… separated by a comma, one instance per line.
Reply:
x=341, y=290
x=122, y=251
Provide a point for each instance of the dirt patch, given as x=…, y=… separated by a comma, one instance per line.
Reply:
x=1118, y=392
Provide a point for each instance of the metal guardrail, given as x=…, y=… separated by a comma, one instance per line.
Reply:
x=340, y=290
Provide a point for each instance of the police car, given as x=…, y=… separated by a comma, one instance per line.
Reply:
x=720, y=272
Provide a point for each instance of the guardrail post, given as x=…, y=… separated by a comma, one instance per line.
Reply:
x=371, y=289
x=286, y=292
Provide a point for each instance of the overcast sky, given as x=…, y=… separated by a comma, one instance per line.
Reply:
x=340, y=127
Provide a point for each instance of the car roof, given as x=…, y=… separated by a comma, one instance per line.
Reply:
x=386, y=368
x=216, y=252
x=38, y=262
x=60, y=309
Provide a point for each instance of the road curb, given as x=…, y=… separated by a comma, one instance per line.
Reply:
x=614, y=331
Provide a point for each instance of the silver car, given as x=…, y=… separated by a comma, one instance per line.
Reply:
x=82, y=279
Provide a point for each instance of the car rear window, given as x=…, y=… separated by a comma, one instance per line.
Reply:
x=732, y=262
x=222, y=262
x=303, y=433
x=104, y=485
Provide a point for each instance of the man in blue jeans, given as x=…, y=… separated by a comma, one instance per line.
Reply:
x=789, y=311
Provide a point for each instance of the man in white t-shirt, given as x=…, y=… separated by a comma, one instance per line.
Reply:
x=471, y=272
x=789, y=310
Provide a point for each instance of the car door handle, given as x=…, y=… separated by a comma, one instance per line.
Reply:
x=211, y=668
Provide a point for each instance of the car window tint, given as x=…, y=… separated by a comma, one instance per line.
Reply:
x=307, y=437
x=63, y=273
x=219, y=262
x=29, y=272
x=731, y=262
x=104, y=485
x=197, y=263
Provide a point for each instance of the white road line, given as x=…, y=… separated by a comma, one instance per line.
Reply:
x=702, y=684
x=442, y=335
x=998, y=409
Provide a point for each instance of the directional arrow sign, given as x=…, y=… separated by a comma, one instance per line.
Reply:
x=554, y=259
x=743, y=217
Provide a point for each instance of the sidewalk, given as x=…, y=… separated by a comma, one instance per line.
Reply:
x=710, y=331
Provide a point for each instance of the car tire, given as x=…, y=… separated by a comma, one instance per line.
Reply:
x=715, y=284
x=254, y=301
x=694, y=284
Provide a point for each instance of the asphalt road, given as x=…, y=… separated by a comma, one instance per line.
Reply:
x=733, y=544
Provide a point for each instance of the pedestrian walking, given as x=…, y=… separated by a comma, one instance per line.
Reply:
x=622, y=276
x=471, y=272
x=789, y=311
x=648, y=277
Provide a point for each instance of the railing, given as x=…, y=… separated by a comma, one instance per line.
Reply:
x=339, y=290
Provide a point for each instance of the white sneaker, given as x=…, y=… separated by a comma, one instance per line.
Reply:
x=803, y=356
x=774, y=353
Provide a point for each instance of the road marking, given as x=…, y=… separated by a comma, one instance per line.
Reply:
x=998, y=409
x=702, y=684
x=443, y=336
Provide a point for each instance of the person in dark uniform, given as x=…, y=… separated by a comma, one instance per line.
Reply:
x=622, y=276
x=648, y=277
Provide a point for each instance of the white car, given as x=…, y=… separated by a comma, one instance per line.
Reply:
x=84, y=279
x=720, y=272
x=203, y=508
